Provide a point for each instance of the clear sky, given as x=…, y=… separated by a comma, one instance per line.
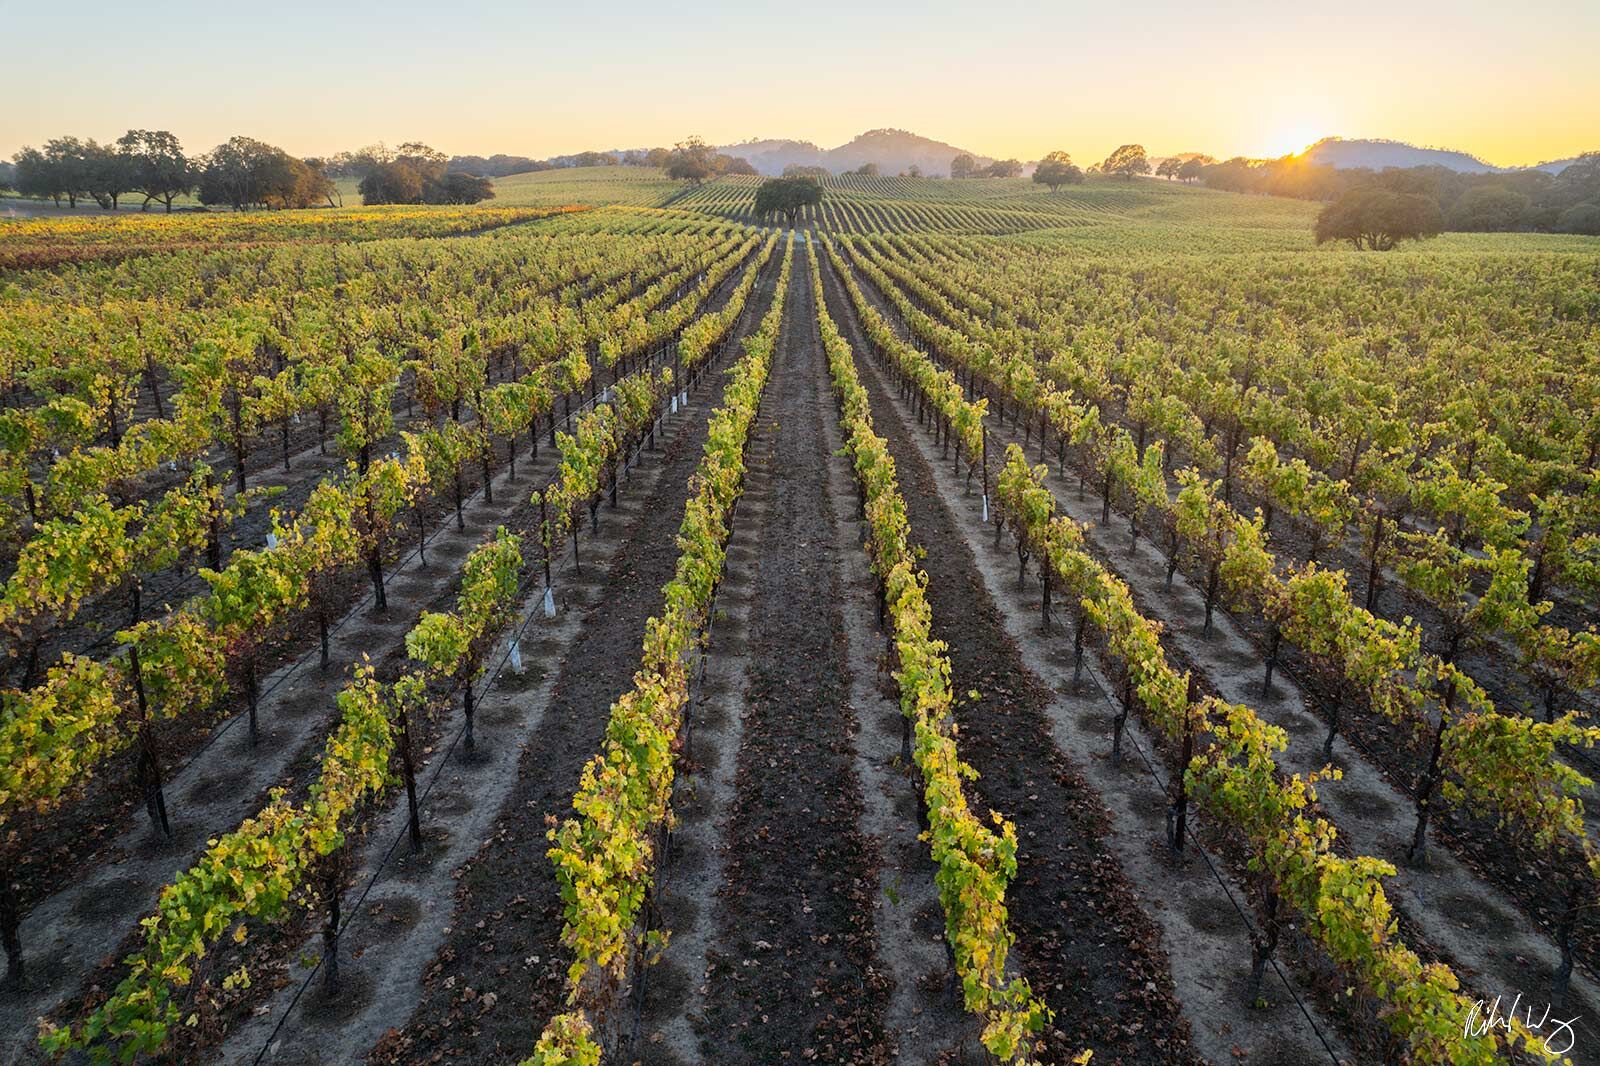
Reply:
x=1513, y=83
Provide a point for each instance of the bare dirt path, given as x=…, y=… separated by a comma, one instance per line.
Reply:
x=796, y=549
x=791, y=966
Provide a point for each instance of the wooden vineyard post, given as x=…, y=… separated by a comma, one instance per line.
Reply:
x=1044, y=603
x=1178, y=816
x=461, y=518
x=1121, y=720
x=1429, y=781
x=330, y=928
x=1211, y=596
x=1274, y=640
x=1569, y=921
x=984, y=461
x=375, y=572
x=1372, y=560
x=1334, y=713
x=149, y=758
x=1077, y=646
x=10, y=927
x=408, y=772
x=375, y=556
x=1263, y=944
x=486, y=457
x=544, y=538
x=252, y=695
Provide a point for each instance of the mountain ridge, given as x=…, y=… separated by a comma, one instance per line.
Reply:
x=893, y=150
x=1377, y=153
x=897, y=150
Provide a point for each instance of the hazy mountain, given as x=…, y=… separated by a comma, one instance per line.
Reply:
x=1556, y=166
x=892, y=150
x=771, y=156
x=1377, y=154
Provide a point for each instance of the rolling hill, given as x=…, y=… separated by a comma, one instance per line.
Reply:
x=893, y=150
x=1377, y=154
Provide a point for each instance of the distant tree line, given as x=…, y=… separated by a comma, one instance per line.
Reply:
x=696, y=161
x=1568, y=202
x=691, y=157
x=964, y=166
x=1186, y=170
x=242, y=173
x=495, y=166
x=415, y=174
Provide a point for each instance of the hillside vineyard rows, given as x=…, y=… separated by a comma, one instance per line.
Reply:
x=971, y=624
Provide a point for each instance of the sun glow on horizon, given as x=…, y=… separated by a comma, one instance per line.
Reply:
x=1251, y=79
x=1294, y=141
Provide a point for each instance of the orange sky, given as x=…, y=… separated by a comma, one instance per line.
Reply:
x=1514, y=84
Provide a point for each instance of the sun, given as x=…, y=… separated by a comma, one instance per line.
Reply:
x=1294, y=140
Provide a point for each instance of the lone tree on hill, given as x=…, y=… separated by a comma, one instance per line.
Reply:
x=1128, y=160
x=787, y=195
x=692, y=160
x=1057, y=169
x=1375, y=218
x=963, y=166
